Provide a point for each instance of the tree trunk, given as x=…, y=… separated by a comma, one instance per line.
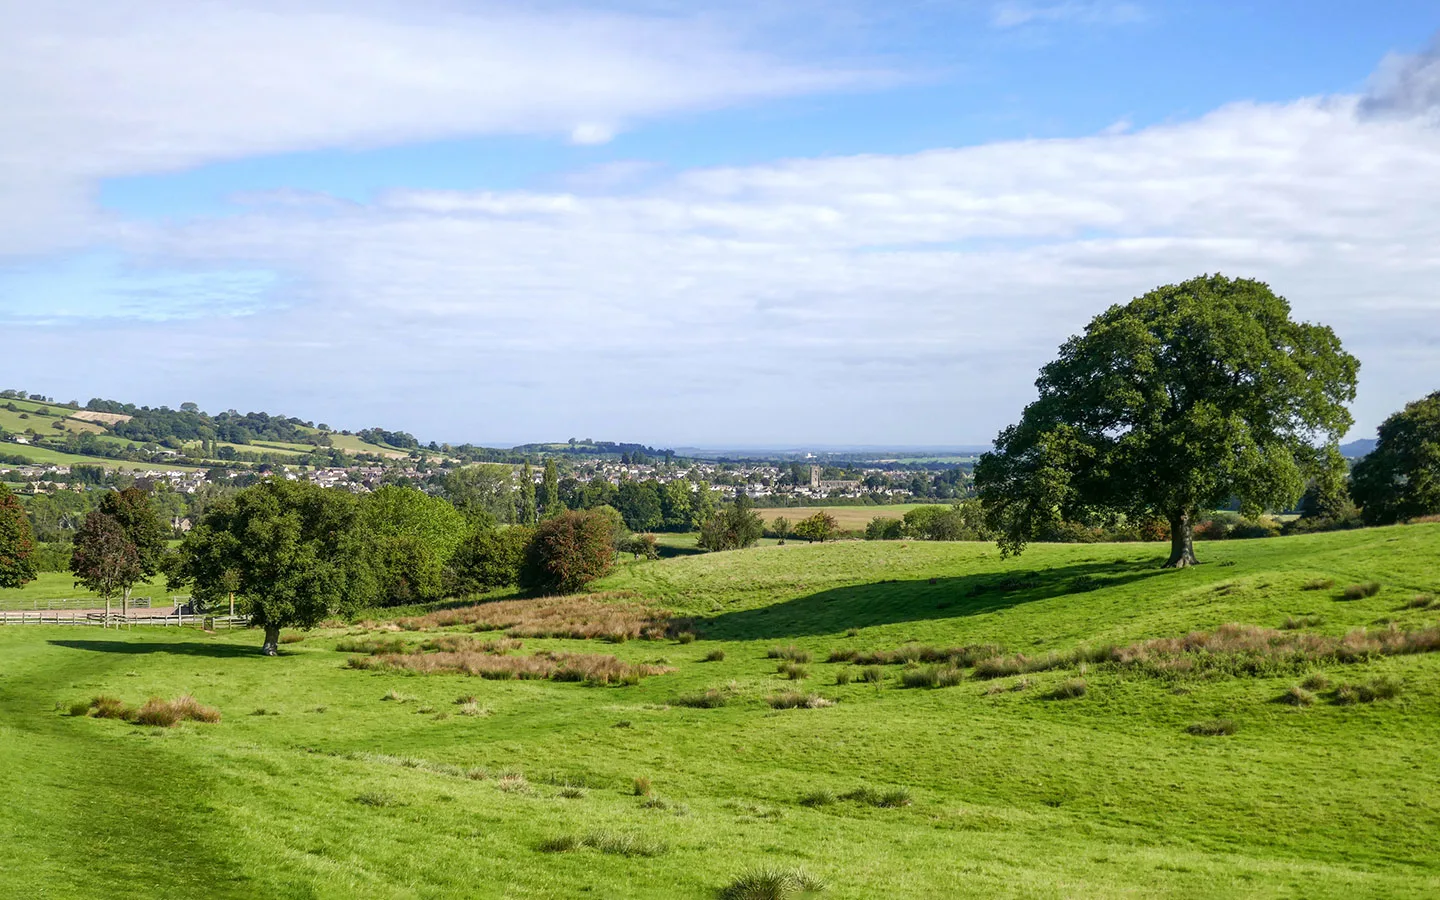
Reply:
x=1182, y=542
x=271, y=647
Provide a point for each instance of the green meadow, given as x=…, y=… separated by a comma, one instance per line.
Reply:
x=1085, y=777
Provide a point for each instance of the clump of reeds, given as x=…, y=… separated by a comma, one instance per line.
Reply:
x=464, y=643
x=1318, y=584
x=1361, y=591
x=716, y=655
x=1297, y=696
x=371, y=645
x=1383, y=688
x=156, y=711
x=868, y=796
x=587, y=667
x=793, y=670
x=965, y=656
x=1069, y=689
x=1295, y=623
x=709, y=699
x=1212, y=728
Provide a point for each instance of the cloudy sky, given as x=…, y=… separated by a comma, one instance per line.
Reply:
x=692, y=223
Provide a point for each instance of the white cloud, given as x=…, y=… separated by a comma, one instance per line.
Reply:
x=857, y=298
x=89, y=91
x=1016, y=13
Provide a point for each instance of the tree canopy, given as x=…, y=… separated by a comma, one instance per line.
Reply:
x=135, y=514
x=568, y=552
x=1184, y=399
x=1400, y=478
x=104, y=559
x=410, y=536
x=734, y=527
x=290, y=551
x=16, y=543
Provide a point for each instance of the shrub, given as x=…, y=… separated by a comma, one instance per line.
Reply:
x=567, y=552
x=797, y=700
x=641, y=546
x=1361, y=591
x=714, y=656
x=884, y=528
x=1212, y=727
x=771, y=884
x=1297, y=696
x=792, y=653
x=487, y=559
x=1069, y=689
x=793, y=671
x=1318, y=584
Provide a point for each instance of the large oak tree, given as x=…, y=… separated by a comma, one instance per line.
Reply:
x=1185, y=399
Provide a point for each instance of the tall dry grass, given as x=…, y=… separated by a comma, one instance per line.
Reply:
x=613, y=616
x=592, y=668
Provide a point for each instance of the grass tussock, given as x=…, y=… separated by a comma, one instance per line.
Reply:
x=458, y=643
x=872, y=674
x=1020, y=664
x=771, y=884
x=917, y=653
x=613, y=616
x=793, y=670
x=1297, y=696
x=1317, y=681
x=709, y=699
x=291, y=637
x=1361, y=591
x=1422, y=601
x=376, y=798
x=613, y=842
x=156, y=711
x=1296, y=623
x=1069, y=689
x=1318, y=584
x=822, y=797
x=371, y=645
x=868, y=796
x=1212, y=728
x=394, y=696
x=641, y=786
x=797, y=700
x=591, y=668
x=792, y=653
x=1384, y=688
x=931, y=677
x=714, y=656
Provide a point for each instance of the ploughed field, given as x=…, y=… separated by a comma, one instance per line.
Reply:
x=1072, y=723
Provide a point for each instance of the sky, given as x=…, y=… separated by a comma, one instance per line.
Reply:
x=735, y=223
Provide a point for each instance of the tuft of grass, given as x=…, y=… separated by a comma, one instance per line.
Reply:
x=473, y=709
x=685, y=637
x=623, y=723
x=623, y=844
x=868, y=796
x=1297, y=696
x=1317, y=681
x=1295, y=623
x=1212, y=727
x=641, y=787
x=291, y=637
x=371, y=645
x=1361, y=591
x=513, y=783
x=1318, y=584
x=792, y=653
x=844, y=676
x=716, y=655
x=797, y=700
x=710, y=699
x=1069, y=689
x=771, y=884
x=614, y=616
x=394, y=696
x=1422, y=601
x=1384, y=688
x=565, y=843
x=793, y=671
x=591, y=668
x=872, y=674
x=572, y=792
x=822, y=797
x=107, y=707
x=375, y=798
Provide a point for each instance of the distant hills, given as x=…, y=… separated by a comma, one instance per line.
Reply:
x=1357, y=449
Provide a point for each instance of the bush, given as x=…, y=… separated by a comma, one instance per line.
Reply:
x=487, y=559
x=567, y=552
x=1212, y=728
x=819, y=527
x=883, y=528
x=771, y=884
x=641, y=546
x=1361, y=591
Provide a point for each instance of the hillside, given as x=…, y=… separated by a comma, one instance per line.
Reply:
x=315, y=784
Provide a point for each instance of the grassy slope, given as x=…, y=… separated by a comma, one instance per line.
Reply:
x=1014, y=794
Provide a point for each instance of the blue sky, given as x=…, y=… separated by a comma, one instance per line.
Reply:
x=693, y=223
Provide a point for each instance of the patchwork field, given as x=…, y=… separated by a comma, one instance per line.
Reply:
x=363, y=762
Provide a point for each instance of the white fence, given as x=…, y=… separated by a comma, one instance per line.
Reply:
x=15, y=603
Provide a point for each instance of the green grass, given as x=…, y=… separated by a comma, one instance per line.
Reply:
x=992, y=793
x=61, y=586
x=849, y=518
x=45, y=455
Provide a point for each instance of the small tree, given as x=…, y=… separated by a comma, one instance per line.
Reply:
x=733, y=527
x=142, y=526
x=568, y=552
x=1186, y=398
x=16, y=543
x=291, y=552
x=487, y=559
x=819, y=527
x=104, y=559
x=550, y=490
x=781, y=527
x=411, y=536
x=885, y=528
x=525, y=499
x=1400, y=478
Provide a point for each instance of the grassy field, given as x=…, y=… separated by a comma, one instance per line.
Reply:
x=316, y=785
x=61, y=586
x=850, y=518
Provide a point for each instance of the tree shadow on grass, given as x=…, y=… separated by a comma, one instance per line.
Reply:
x=181, y=648
x=889, y=602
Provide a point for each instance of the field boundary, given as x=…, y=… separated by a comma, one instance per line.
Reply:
x=115, y=620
